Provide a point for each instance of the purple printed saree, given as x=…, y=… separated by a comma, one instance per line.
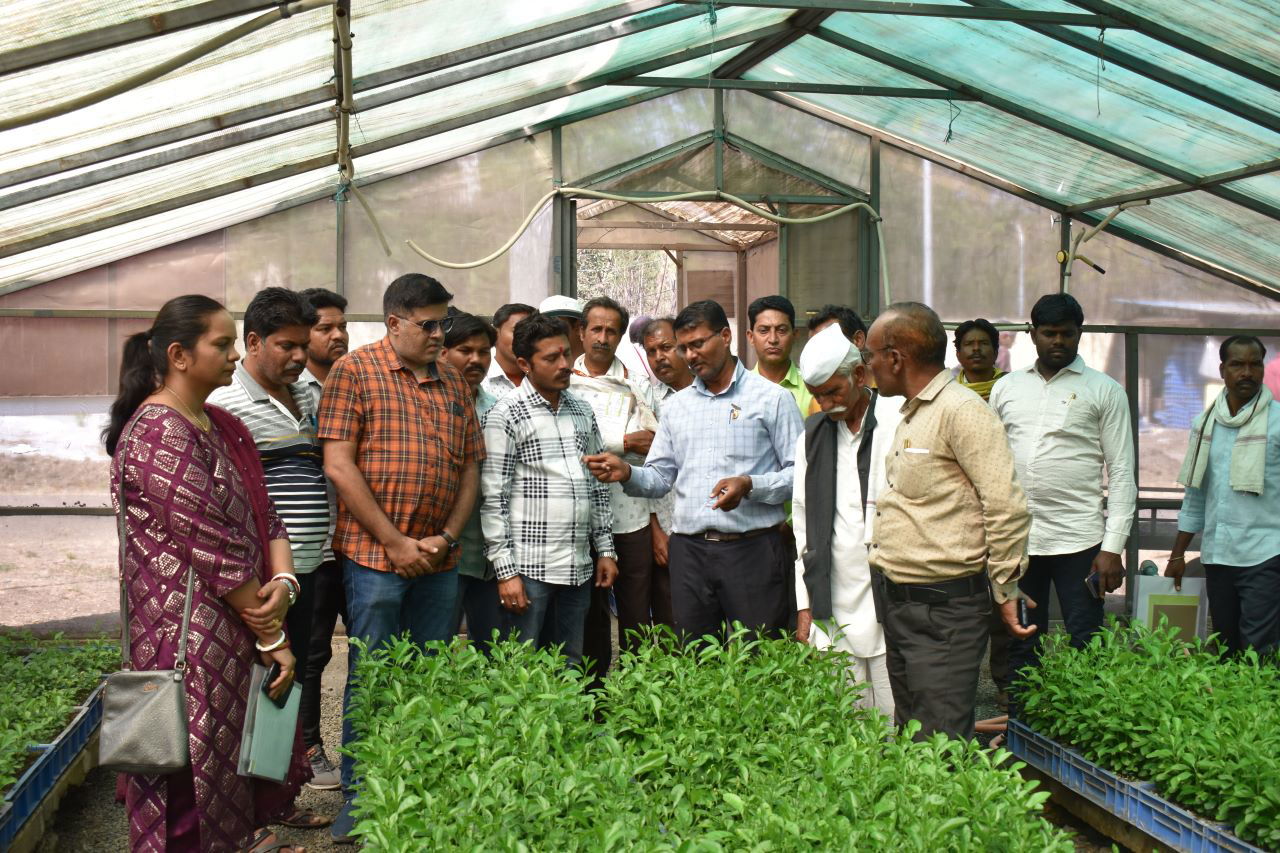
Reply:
x=198, y=499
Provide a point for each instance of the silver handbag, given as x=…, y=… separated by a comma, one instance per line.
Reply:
x=144, y=713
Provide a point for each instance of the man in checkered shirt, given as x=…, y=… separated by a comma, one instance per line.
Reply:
x=542, y=511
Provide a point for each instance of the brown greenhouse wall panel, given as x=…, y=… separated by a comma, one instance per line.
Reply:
x=142, y=282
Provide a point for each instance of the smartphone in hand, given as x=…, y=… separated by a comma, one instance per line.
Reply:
x=1094, y=583
x=1024, y=618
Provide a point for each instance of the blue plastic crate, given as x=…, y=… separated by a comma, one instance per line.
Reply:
x=1137, y=803
x=42, y=776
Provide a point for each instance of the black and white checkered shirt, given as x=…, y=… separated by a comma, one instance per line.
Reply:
x=542, y=509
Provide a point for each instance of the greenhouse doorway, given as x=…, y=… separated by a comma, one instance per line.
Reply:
x=657, y=258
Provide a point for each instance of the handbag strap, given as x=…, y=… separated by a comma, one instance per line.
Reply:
x=126, y=657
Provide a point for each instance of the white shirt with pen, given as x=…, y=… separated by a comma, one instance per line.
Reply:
x=1064, y=433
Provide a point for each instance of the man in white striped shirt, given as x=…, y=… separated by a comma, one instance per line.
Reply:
x=280, y=412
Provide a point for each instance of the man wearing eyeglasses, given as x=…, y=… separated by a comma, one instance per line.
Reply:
x=402, y=445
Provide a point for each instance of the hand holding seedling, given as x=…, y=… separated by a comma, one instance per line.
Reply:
x=730, y=491
x=1009, y=615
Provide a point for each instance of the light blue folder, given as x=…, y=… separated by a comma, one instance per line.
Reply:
x=266, y=747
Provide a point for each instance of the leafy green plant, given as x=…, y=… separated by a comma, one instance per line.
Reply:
x=751, y=745
x=41, y=684
x=1148, y=705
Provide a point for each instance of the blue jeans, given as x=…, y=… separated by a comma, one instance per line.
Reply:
x=382, y=605
x=561, y=609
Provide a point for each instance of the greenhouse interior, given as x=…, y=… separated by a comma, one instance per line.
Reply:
x=972, y=156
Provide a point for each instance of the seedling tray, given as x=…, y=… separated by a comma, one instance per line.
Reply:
x=1137, y=803
x=42, y=777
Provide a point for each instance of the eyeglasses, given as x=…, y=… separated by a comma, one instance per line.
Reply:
x=867, y=353
x=429, y=327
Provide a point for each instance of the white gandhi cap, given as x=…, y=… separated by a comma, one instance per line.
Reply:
x=825, y=352
x=561, y=306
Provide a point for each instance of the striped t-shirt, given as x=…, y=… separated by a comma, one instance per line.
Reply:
x=291, y=460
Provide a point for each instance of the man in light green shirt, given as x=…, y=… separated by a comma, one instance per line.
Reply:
x=468, y=344
x=772, y=334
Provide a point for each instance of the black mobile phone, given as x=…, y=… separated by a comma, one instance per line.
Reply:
x=1024, y=618
x=273, y=673
x=1094, y=583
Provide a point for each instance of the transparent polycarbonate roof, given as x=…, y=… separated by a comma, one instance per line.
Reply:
x=1074, y=102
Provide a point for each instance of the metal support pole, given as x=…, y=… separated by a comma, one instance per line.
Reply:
x=718, y=137
x=872, y=293
x=569, y=234
x=784, y=234
x=1065, y=245
x=1131, y=373
x=740, y=297
x=340, y=242
x=559, y=260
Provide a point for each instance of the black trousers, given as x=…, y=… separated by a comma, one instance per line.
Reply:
x=638, y=590
x=1244, y=603
x=478, y=599
x=1082, y=614
x=299, y=619
x=329, y=601
x=714, y=584
x=934, y=658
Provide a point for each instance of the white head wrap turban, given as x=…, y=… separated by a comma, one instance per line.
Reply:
x=824, y=353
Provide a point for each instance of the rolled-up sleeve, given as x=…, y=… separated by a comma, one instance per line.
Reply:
x=982, y=450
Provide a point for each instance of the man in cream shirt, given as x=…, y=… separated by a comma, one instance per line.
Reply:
x=833, y=506
x=1068, y=423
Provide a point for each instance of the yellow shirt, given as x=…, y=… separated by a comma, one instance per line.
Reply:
x=795, y=385
x=952, y=505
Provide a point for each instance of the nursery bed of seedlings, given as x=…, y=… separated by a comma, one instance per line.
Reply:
x=1149, y=706
x=749, y=745
x=42, y=683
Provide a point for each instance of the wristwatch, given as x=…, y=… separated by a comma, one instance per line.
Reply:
x=448, y=538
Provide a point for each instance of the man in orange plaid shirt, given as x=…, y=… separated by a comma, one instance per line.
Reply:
x=402, y=446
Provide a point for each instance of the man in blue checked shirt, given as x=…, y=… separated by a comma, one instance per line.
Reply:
x=725, y=446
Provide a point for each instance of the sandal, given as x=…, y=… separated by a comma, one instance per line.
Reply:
x=267, y=842
x=302, y=819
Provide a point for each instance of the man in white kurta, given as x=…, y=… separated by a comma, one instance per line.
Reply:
x=863, y=421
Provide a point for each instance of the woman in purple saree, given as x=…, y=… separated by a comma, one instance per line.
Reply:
x=195, y=496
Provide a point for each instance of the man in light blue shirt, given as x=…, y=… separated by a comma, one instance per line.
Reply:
x=1232, y=475
x=725, y=445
